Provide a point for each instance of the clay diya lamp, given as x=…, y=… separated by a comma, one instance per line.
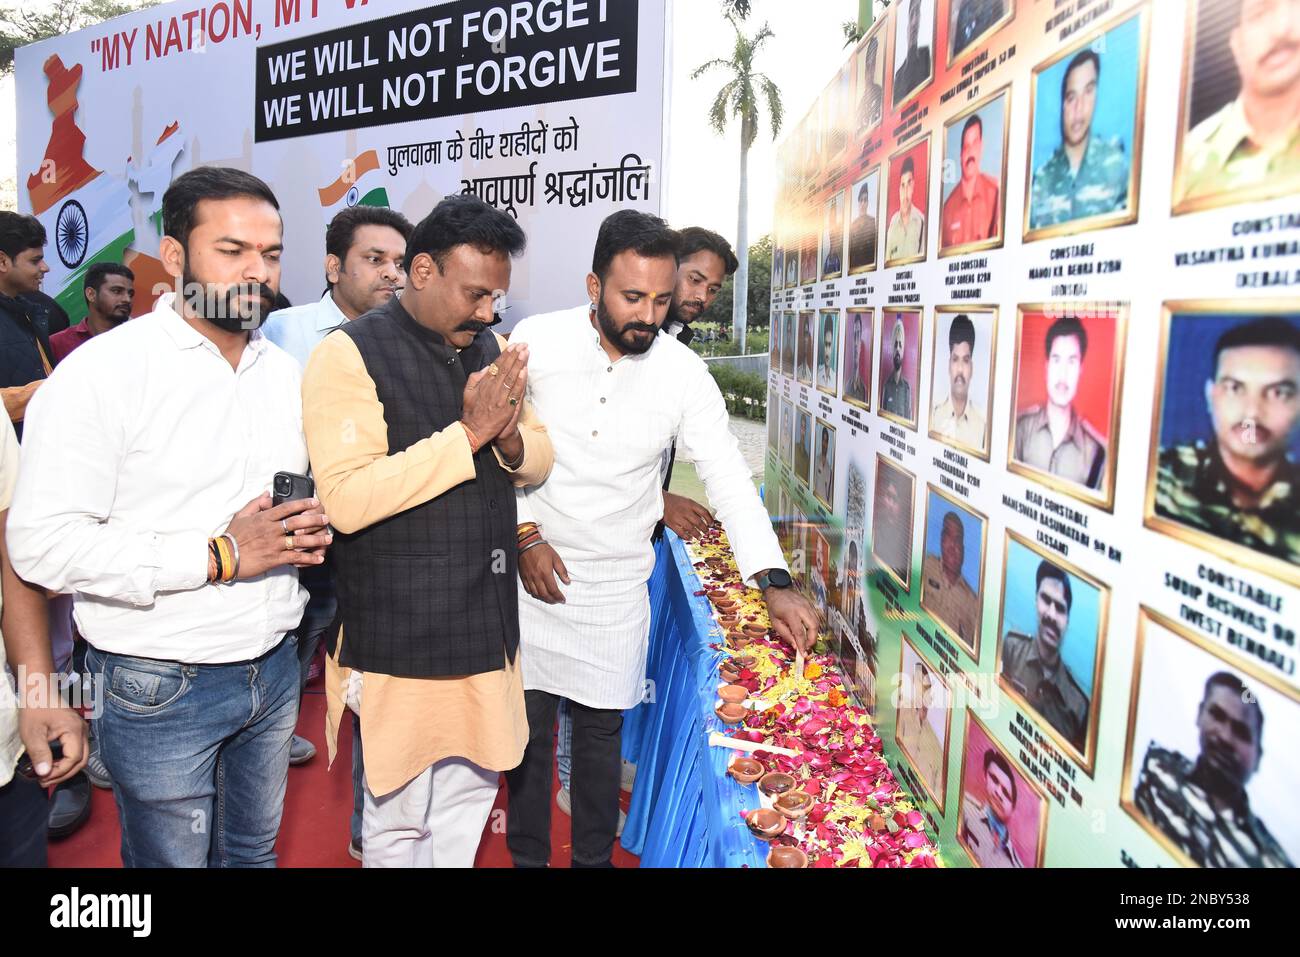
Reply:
x=724, y=604
x=732, y=694
x=731, y=713
x=716, y=594
x=729, y=621
x=793, y=805
x=745, y=770
x=784, y=855
x=754, y=631
x=741, y=662
x=738, y=639
x=776, y=783
x=765, y=823
x=729, y=673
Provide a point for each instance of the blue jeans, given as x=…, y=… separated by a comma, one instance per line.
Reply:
x=199, y=755
x=358, y=781
x=24, y=816
x=564, y=747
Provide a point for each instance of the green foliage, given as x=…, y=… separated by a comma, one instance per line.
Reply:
x=22, y=25
x=759, y=303
x=739, y=96
x=744, y=392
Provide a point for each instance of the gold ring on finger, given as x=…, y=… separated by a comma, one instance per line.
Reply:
x=493, y=370
x=513, y=400
x=288, y=543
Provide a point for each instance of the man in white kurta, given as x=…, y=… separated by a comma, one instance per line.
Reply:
x=614, y=391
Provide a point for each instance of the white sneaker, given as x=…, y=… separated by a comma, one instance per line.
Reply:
x=565, y=803
x=354, y=851
x=301, y=750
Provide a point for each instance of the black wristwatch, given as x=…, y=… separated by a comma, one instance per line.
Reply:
x=773, y=578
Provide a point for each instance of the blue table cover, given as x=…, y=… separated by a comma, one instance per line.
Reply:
x=685, y=808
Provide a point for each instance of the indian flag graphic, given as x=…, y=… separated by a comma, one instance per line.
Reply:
x=354, y=187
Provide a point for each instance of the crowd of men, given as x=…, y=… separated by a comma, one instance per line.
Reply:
x=473, y=531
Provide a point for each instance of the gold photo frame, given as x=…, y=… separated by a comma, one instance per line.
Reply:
x=1232, y=552
x=1148, y=618
x=937, y=790
x=985, y=453
x=882, y=63
x=1105, y=498
x=884, y=462
x=864, y=375
x=820, y=423
x=864, y=180
x=1102, y=220
x=804, y=476
x=996, y=242
x=972, y=647
x=1087, y=758
x=835, y=350
x=915, y=387
x=1271, y=188
x=923, y=206
x=899, y=17
x=975, y=42
x=1044, y=802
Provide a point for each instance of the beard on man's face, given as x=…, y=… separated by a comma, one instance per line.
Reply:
x=231, y=310
x=684, y=312
x=625, y=339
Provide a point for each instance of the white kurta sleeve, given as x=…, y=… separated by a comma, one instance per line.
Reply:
x=706, y=437
x=59, y=534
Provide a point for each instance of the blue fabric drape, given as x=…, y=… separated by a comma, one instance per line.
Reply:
x=685, y=810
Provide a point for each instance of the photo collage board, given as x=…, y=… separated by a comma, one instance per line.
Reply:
x=1034, y=419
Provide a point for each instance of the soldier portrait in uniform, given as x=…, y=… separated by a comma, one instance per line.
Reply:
x=803, y=350
x=974, y=177
x=914, y=36
x=869, y=68
x=1086, y=140
x=924, y=720
x=864, y=227
x=1065, y=399
x=787, y=343
x=791, y=263
x=828, y=352
x=778, y=266
x=1239, y=139
x=900, y=365
x=824, y=465
x=1211, y=768
x=787, y=432
x=1003, y=811
x=892, y=509
x=970, y=21
x=962, y=360
x=803, y=447
x=1053, y=629
x=952, y=571
x=1225, y=454
x=859, y=339
x=833, y=238
x=906, y=201
x=774, y=344
x=819, y=560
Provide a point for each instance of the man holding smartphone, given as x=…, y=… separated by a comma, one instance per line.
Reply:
x=145, y=493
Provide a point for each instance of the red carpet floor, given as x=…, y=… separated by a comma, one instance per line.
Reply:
x=314, y=832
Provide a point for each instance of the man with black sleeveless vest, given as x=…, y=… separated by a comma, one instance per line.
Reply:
x=418, y=433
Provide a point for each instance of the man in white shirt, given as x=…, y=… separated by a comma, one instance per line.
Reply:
x=365, y=250
x=144, y=493
x=42, y=716
x=614, y=391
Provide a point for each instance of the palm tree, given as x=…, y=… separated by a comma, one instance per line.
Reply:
x=739, y=97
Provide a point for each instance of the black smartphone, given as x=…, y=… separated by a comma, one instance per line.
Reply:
x=291, y=487
x=24, y=766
